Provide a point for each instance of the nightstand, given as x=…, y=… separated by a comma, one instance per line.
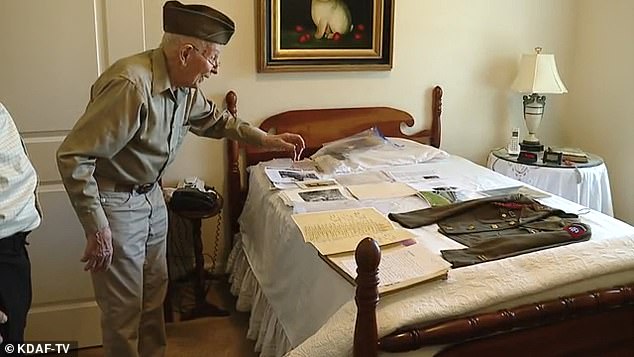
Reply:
x=584, y=183
x=184, y=249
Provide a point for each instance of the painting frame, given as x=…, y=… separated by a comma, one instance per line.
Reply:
x=288, y=42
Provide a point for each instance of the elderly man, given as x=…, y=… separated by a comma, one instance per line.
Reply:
x=19, y=215
x=139, y=112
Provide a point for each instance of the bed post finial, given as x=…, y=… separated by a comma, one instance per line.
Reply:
x=232, y=102
x=436, y=111
x=234, y=180
x=368, y=257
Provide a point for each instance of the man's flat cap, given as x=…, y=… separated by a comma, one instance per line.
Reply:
x=198, y=21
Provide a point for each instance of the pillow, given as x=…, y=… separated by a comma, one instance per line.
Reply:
x=399, y=151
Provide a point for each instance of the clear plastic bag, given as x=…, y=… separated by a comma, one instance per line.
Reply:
x=366, y=139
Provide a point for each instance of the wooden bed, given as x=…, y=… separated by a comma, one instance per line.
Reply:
x=592, y=323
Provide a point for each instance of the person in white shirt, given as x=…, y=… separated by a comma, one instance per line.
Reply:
x=19, y=215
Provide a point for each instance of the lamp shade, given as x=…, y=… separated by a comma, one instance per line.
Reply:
x=538, y=74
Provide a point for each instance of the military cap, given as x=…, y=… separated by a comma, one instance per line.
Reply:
x=198, y=21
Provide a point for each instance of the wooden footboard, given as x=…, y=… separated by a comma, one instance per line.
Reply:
x=599, y=322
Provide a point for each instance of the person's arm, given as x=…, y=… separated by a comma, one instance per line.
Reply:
x=14, y=160
x=208, y=120
x=108, y=124
x=3, y=319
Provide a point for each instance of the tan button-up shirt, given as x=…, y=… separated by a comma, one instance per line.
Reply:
x=132, y=127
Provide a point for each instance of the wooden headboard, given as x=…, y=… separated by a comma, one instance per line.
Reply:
x=318, y=126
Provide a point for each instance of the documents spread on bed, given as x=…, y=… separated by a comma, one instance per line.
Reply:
x=334, y=212
x=403, y=264
x=341, y=230
x=300, y=183
x=288, y=177
x=381, y=190
x=332, y=193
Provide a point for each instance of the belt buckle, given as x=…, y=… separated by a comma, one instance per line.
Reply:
x=145, y=188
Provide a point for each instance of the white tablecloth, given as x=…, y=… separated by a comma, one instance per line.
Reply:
x=588, y=186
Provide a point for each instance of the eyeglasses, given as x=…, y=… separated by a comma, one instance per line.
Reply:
x=213, y=61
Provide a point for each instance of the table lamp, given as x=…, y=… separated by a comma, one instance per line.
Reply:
x=537, y=75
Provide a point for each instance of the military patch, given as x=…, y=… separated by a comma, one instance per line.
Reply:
x=408, y=242
x=510, y=205
x=575, y=230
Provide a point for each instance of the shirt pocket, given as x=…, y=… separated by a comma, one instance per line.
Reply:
x=183, y=131
x=114, y=199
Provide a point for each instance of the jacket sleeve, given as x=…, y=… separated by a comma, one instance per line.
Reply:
x=109, y=122
x=208, y=120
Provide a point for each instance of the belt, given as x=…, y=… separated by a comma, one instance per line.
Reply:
x=106, y=185
x=140, y=189
x=13, y=241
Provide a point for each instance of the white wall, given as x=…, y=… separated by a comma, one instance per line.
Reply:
x=601, y=115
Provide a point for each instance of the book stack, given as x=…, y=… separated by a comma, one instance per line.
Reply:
x=570, y=154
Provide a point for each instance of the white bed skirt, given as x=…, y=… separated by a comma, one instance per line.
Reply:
x=264, y=327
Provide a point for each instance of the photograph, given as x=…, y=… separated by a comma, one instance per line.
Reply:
x=316, y=184
x=289, y=176
x=333, y=194
x=325, y=35
x=297, y=175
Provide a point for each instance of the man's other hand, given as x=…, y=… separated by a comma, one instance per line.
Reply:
x=286, y=142
x=98, y=252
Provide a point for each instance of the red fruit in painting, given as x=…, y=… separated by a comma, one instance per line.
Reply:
x=360, y=27
x=307, y=36
x=299, y=28
x=303, y=38
x=358, y=36
x=336, y=36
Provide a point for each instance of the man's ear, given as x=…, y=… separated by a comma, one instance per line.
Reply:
x=184, y=53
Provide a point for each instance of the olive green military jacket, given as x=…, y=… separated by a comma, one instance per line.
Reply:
x=132, y=128
x=497, y=227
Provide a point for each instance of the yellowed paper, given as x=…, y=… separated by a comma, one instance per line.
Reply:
x=340, y=231
x=400, y=266
x=381, y=190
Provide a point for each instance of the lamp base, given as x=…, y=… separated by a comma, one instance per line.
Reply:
x=532, y=146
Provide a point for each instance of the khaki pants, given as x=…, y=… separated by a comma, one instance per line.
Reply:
x=130, y=293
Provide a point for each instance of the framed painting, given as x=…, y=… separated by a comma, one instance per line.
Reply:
x=324, y=35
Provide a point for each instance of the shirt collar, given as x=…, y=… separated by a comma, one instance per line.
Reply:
x=160, y=80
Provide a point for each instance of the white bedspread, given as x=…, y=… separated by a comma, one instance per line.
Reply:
x=522, y=279
x=314, y=305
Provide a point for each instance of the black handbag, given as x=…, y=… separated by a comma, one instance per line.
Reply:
x=193, y=202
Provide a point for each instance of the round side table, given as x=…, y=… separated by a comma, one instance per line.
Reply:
x=201, y=307
x=585, y=183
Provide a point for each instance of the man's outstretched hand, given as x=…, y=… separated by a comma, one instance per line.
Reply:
x=286, y=142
